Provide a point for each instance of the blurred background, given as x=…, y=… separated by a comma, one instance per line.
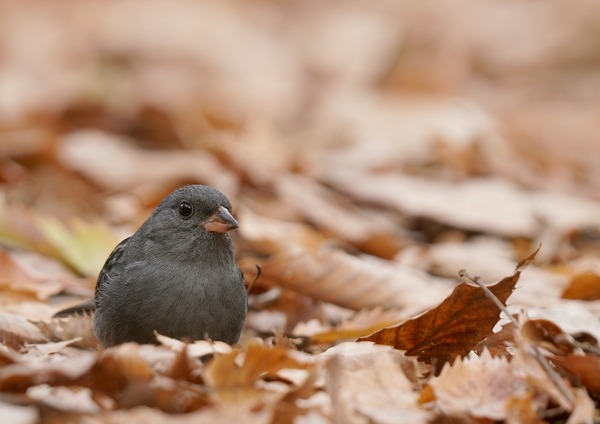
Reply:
x=368, y=147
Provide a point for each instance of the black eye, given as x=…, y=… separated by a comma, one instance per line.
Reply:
x=185, y=209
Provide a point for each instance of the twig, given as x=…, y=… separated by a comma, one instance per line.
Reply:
x=258, y=274
x=488, y=293
x=541, y=359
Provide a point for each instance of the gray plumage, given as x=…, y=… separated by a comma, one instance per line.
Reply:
x=176, y=275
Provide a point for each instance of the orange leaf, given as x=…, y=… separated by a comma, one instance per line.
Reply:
x=451, y=329
x=584, y=286
x=586, y=368
x=233, y=380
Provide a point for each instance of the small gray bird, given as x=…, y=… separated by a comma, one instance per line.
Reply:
x=176, y=275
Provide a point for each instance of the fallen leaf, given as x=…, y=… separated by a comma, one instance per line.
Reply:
x=370, y=382
x=93, y=152
x=73, y=399
x=584, y=409
x=233, y=376
x=16, y=278
x=451, y=329
x=499, y=343
x=548, y=335
x=528, y=367
x=362, y=323
x=316, y=203
x=287, y=409
x=80, y=327
x=19, y=414
x=53, y=370
x=19, y=330
x=490, y=205
x=354, y=282
x=584, y=286
x=524, y=409
x=85, y=246
x=222, y=414
x=126, y=362
x=50, y=348
x=478, y=386
x=585, y=368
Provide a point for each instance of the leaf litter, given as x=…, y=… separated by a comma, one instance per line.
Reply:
x=371, y=151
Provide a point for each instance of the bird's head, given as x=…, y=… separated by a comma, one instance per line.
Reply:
x=190, y=215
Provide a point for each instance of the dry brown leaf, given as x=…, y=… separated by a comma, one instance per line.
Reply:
x=362, y=323
x=494, y=259
x=317, y=205
x=173, y=396
x=197, y=349
x=42, y=276
x=524, y=409
x=489, y=205
x=585, y=368
x=222, y=414
x=53, y=370
x=478, y=386
x=19, y=330
x=548, y=335
x=51, y=348
x=528, y=367
x=269, y=236
x=77, y=326
x=498, y=343
x=92, y=153
x=584, y=409
x=354, y=282
x=451, y=329
x=566, y=351
x=233, y=376
x=126, y=362
x=287, y=409
x=584, y=286
x=369, y=383
x=19, y=414
x=72, y=399
x=16, y=278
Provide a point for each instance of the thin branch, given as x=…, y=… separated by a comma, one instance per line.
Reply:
x=477, y=280
x=258, y=274
x=541, y=359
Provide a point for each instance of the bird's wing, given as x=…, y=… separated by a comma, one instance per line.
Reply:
x=113, y=266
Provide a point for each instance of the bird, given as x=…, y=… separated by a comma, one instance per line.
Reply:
x=176, y=275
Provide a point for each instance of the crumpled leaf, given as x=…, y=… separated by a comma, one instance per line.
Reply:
x=19, y=414
x=452, y=328
x=546, y=334
x=490, y=205
x=317, y=205
x=93, y=152
x=233, y=376
x=585, y=368
x=369, y=381
x=584, y=286
x=18, y=330
x=51, y=369
x=74, y=399
x=478, y=386
x=354, y=282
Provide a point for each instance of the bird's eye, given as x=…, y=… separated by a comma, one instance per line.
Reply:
x=185, y=209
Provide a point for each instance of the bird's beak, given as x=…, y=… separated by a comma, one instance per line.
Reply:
x=220, y=222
